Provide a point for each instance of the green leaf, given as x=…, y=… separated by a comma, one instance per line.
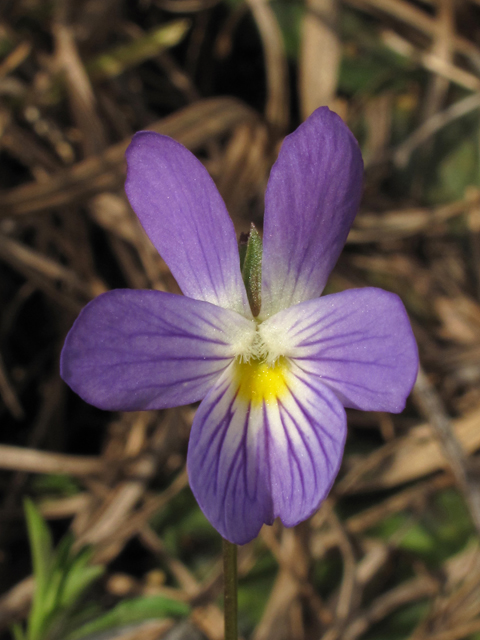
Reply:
x=61, y=577
x=457, y=170
x=42, y=558
x=289, y=16
x=60, y=568
x=132, y=611
x=40, y=544
x=56, y=484
x=71, y=575
x=79, y=578
x=418, y=540
x=17, y=631
x=116, y=61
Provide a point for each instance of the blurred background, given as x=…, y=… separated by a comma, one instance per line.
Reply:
x=96, y=505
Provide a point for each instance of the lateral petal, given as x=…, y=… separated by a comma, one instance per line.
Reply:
x=264, y=444
x=312, y=197
x=185, y=217
x=131, y=350
x=358, y=342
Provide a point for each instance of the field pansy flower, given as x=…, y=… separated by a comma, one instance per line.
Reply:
x=268, y=437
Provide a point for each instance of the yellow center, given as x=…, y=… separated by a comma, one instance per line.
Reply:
x=259, y=382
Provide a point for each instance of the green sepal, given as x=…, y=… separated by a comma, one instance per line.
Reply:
x=251, y=265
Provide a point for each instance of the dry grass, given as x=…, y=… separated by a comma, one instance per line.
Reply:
x=77, y=79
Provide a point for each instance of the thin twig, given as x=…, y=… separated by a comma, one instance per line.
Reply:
x=34, y=461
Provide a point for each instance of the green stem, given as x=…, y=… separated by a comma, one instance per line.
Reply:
x=230, y=589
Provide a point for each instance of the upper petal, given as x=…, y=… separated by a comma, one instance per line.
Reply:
x=133, y=350
x=265, y=443
x=358, y=342
x=185, y=217
x=312, y=198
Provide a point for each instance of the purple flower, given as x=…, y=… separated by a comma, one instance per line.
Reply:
x=268, y=437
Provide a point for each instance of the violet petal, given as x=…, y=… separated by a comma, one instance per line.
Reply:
x=358, y=342
x=132, y=350
x=250, y=462
x=185, y=217
x=312, y=198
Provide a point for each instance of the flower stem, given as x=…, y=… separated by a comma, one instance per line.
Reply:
x=230, y=589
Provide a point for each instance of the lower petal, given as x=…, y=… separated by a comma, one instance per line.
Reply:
x=266, y=442
x=307, y=433
x=133, y=350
